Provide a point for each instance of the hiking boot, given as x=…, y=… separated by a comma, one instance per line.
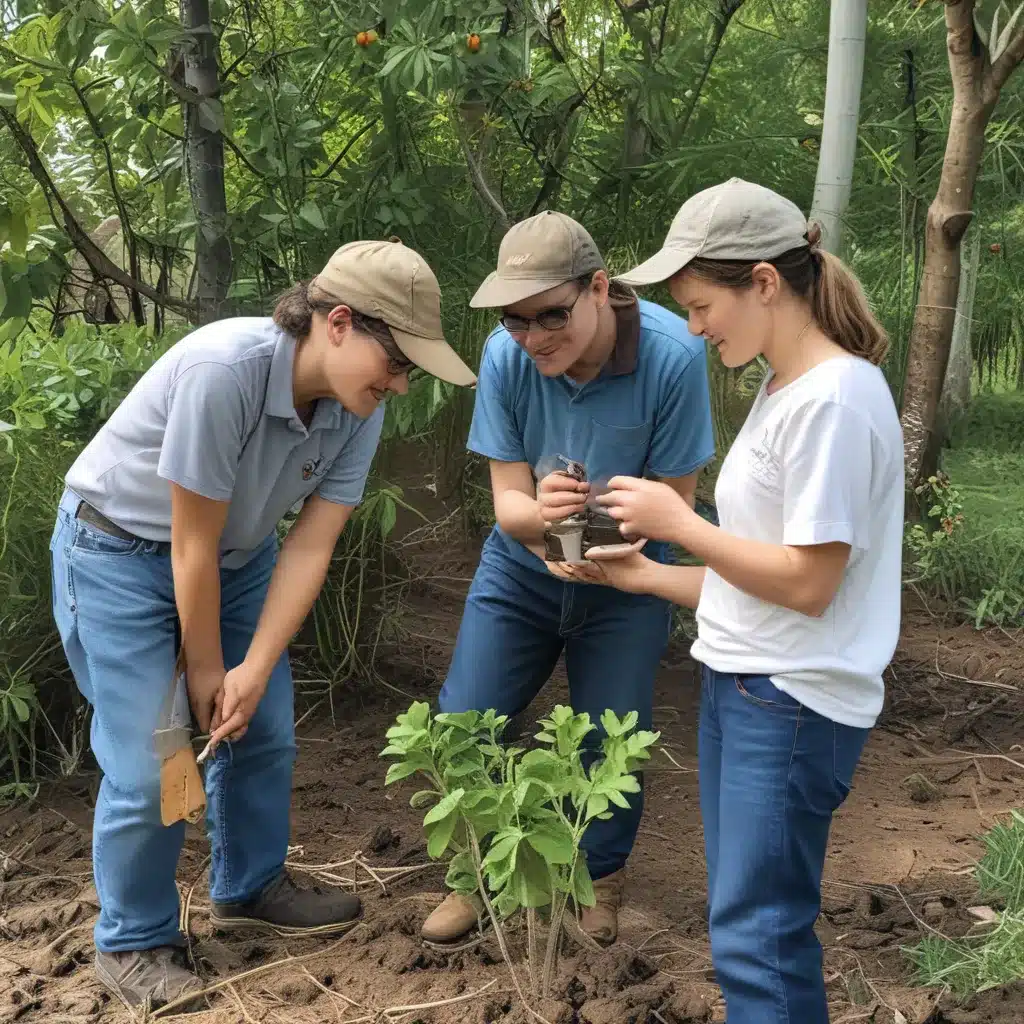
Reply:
x=285, y=909
x=458, y=915
x=150, y=978
x=601, y=921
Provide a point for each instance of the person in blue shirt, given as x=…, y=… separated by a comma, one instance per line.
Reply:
x=579, y=367
x=166, y=534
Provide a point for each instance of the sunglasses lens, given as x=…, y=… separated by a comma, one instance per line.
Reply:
x=515, y=324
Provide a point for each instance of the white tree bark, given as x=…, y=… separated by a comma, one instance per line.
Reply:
x=847, y=28
x=956, y=388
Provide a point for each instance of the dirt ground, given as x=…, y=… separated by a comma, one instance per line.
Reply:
x=944, y=763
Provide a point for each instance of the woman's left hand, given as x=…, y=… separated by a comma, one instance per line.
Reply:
x=575, y=572
x=647, y=508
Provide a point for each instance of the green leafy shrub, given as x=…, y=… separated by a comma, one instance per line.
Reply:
x=510, y=819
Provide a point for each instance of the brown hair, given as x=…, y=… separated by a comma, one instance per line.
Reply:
x=837, y=299
x=294, y=315
x=619, y=295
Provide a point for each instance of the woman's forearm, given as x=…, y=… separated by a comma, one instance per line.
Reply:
x=680, y=584
x=298, y=576
x=195, y=566
x=771, y=572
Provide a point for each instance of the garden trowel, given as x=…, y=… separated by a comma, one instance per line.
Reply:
x=182, y=797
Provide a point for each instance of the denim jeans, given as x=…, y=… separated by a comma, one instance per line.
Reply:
x=113, y=601
x=772, y=773
x=516, y=622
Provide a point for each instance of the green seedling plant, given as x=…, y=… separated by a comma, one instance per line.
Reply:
x=511, y=820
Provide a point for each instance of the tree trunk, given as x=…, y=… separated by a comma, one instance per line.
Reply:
x=847, y=28
x=204, y=160
x=977, y=80
x=956, y=389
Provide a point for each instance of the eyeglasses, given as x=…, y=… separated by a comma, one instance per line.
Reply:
x=397, y=361
x=553, y=319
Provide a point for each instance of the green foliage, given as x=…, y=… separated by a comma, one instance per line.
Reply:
x=995, y=957
x=511, y=820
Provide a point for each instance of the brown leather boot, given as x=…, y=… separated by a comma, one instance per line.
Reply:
x=455, y=917
x=601, y=921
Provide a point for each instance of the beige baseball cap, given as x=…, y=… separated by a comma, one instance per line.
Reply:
x=541, y=252
x=393, y=283
x=736, y=220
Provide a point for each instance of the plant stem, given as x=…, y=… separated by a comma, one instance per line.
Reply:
x=499, y=931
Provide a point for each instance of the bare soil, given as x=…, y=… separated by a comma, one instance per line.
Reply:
x=943, y=765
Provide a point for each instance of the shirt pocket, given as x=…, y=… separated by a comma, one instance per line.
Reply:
x=623, y=438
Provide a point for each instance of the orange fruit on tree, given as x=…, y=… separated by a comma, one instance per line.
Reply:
x=473, y=42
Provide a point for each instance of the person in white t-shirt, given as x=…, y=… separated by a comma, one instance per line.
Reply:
x=798, y=601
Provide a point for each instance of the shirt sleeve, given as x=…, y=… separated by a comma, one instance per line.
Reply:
x=345, y=481
x=203, y=437
x=827, y=466
x=493, y=432
x=684, y=438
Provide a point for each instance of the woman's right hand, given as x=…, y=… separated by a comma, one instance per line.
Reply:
x=559, y=495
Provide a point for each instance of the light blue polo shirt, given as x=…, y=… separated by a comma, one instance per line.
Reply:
x=216, y=415
x=648, y=413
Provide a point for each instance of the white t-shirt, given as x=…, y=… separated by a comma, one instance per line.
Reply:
x=818, y=461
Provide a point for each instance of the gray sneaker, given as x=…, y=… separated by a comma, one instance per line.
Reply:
x=150, y=978
x=285, y=909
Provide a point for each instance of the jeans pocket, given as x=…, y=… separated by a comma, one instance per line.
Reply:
x=88, y=538
x=763, y=693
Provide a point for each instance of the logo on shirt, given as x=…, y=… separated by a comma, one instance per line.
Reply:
x=766, y=463
x=310, y=467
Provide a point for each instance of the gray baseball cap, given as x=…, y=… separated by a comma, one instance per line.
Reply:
x=539, y=253
x=736, y=220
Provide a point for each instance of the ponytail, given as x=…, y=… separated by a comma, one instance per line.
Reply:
x=838, y=303
x=841, y=309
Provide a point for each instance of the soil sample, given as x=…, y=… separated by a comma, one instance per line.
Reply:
x=602, y=530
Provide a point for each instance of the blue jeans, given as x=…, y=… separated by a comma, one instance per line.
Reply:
x=772, y=773
x=113, y=601
x=515, y=625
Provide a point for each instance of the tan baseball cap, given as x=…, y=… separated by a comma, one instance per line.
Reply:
x=393, y=283
x=736, y=220
x=536, y=254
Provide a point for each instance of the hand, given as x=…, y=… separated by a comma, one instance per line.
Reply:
x=559, y=496
x=204, y=689
x=243, y=690
x=647, y=508
x=630, y=573
x=573, y=572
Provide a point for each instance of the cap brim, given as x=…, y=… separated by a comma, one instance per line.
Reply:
x=435, y=356
x=498, y=292
x=660, y=267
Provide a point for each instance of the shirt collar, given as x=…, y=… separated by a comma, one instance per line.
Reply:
x=280, y=396
x=280, y=390
x=623, y=358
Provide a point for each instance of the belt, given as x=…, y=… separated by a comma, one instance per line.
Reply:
x=95, y=518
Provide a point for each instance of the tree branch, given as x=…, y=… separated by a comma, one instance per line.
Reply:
x=476, y=175
x=1008, y=60
x=348, y=145
x=122, y=210
x=99, y=262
